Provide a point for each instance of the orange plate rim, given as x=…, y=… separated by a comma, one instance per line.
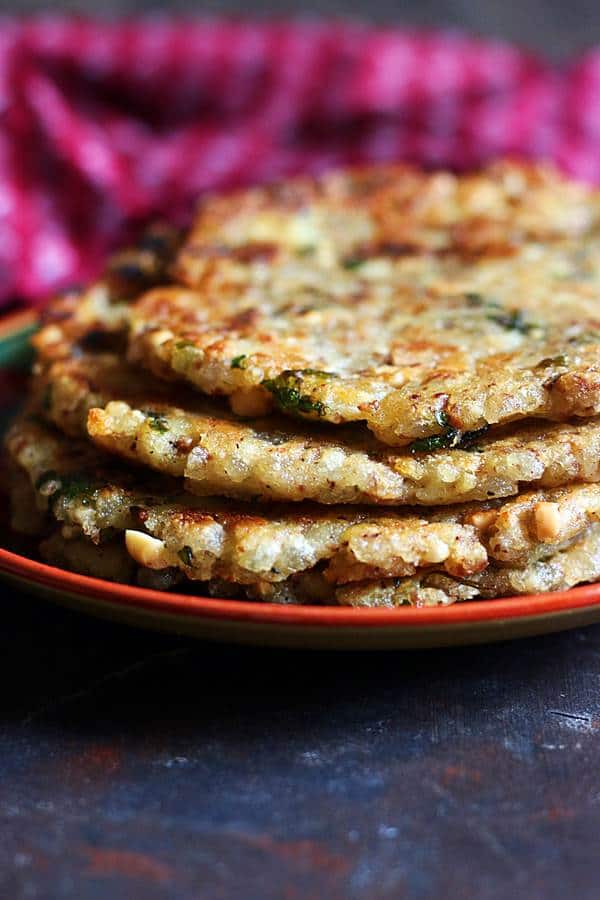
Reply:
x=132, y=596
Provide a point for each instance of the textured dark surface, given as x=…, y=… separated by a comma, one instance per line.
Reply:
x=136, y=765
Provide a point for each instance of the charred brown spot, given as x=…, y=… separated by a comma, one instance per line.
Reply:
x=481, y=236
x=245, y=319
x=230, y=519
x=194, y=517
x=255, y=252
x=392, y=249
x=99, y=340
x=183, y=444
x=144, y=265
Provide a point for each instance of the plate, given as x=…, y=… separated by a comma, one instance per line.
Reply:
x=270, y=624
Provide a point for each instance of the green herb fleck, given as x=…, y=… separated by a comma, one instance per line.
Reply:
x=352, y=262
x=469, y=439
x=183, y=345
x=512, y=320
x=287, y=391
x=474, y=299
x=76, y=486
x=450, y=437
x=239, y=362
x=186, y=556
x=307, y=250
x=318, y=373
x=157, y=421
x=434, y=442
x=401, y=597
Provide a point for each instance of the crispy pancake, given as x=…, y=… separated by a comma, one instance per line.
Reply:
x=213, y=538
x=577, y=564
x=68, y=548
x=396, y=210
x=126, y=413
x=483, y=311
x=111, y=561
x=81, y=488
x=272, y=558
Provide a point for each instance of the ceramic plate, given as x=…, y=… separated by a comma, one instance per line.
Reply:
x=270, y=624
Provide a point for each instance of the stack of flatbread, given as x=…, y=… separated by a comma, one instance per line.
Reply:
x=376, y=388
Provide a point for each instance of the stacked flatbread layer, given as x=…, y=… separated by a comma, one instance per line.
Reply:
x=376, y=388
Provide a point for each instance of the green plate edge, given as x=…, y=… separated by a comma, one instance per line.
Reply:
x=15, y=350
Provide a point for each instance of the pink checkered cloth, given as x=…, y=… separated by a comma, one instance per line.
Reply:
x=105, y=126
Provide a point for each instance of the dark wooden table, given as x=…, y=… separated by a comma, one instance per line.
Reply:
x=136, y=765
x=139, y=765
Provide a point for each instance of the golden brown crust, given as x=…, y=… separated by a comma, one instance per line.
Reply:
x=482, y=310
x=577, y=564
x=388, y=211
x=128, y=414
x=439, y=310
x=79, y=487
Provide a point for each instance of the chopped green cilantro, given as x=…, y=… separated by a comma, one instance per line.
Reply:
x=469, y=439
x=157, y=421
x=75, y=486
x=478, y=301
x=186, y=556
x=287, y=391
x=434, y=442
x=319, y=373
x=474, y=299
x=449, y=438
x=512, y=320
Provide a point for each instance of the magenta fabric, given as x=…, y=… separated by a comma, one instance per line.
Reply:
x=105, y=126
